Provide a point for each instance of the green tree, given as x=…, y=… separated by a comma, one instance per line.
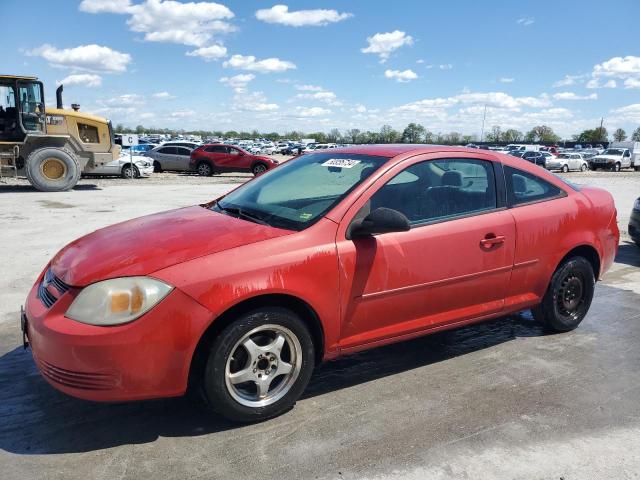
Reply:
x=468, y=139
x=511, y=135
x=619, y=135
x=452, y=138
x=352, y=135
x=495, y=135
x=428, y=137
x=542, y=133
x=597, y=135
x=139, y=129
x=334, y=135
x=413, y=133
x=636, y=135
x=388, y=135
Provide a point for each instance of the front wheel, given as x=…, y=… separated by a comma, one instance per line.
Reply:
x=52, y=169
x=565, y=168
x=616, y=167
x=259, y=365
x=259, y=169
x=568, y=297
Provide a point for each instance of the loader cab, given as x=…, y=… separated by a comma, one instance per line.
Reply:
x=22, y=108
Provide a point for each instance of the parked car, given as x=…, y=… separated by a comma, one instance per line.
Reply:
x=181, y=143
x=218, y=158
x=634, y=222
x=140, y=148
x=612, y=159
x=568, y=161
x=537, y=158
x=123, y=166
x=170, y=158
x=330, y=253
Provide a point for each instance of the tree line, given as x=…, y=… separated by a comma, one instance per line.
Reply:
x=412, y=133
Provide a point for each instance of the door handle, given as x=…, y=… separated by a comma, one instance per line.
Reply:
x=490, y=240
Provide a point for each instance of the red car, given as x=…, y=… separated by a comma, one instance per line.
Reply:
x=328, y=254
x=218, y=158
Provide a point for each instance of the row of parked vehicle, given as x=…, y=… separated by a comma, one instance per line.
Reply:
x=618, y=156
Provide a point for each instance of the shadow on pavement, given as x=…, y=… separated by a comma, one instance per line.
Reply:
x=29, y=189
x=628, y=254
x=36, y=419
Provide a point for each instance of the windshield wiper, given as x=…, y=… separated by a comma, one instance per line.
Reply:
x=239, y=213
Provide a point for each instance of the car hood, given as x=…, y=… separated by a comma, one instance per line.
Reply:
x=144, y=245
x=609, y=157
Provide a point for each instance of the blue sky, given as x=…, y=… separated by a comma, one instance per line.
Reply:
x=339, y=64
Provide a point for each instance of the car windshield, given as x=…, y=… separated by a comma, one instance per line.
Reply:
x=299, y=192
x=612, y=151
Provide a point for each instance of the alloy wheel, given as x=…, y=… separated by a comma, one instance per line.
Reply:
x=263, y=366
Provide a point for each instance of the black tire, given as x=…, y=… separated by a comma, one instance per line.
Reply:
x=204, y=169
x=616, y=167
x=52, y=169
x=569, y=296
x=126, y=171
x=219, y=397
x=637, y=168
x=583, y=167
x=565, y=168
x=258, y=169
x=157, y=168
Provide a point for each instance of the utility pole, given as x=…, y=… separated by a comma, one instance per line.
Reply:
x=484, y=117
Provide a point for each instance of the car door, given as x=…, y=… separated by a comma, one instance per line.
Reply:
x=165, y=156
x=181, y=159
x=453, y=266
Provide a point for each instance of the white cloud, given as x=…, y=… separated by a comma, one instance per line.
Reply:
x=445, y=66
x=182, y=114
x=526, y=21
x=616, y=68
x=401, y=76
x=105, y=6
x=84, y=79
x=91, y=58
x=568, y=80
x=595, y=83
x=126, y=99
x=630, y=113
x=322, y=96
x=253, y=102
x=209, y=53
x=383, y=44
x=163, y=96
x=312, y=111
x=309, y=88
x=506, y=80
x=280, y=14
x=573, y=96
x=192, y=23
x=238, y=82
x=250, y=63
x=632, y=83
x=499, y=100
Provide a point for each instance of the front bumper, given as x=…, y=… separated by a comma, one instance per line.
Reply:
x=145, y=171
x=147, y=358
x=634, y=225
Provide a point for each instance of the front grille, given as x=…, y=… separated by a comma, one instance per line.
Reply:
x=80, y=380
x=49, y=284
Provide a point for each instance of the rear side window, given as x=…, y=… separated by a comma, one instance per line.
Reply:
x=184, y=151
x=216, y=149
x=168, y=150
x=523, y=187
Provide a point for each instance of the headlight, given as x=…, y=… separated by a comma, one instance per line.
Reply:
x=117, y=301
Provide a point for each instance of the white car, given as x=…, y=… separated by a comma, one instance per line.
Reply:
x=567, y=161
x=142, y=167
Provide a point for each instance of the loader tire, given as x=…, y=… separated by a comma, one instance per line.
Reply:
x=52, y=169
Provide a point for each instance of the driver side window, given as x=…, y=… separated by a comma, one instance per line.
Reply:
x=439, y=190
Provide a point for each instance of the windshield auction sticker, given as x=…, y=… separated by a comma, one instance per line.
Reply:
x=341, y=163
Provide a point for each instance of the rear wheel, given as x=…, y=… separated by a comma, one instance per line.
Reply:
x=204, y=169
x=259, y=365
x=584, y=167
x=259, y=169
x=52, y=169
x=157, y=168
x=568, y=297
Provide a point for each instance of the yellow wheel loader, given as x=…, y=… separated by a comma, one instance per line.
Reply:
x=50, y=146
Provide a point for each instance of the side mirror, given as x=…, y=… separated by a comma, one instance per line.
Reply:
x=381, y=220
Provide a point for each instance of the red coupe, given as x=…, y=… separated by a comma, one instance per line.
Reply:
x=328, y=254
x=218, y=158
